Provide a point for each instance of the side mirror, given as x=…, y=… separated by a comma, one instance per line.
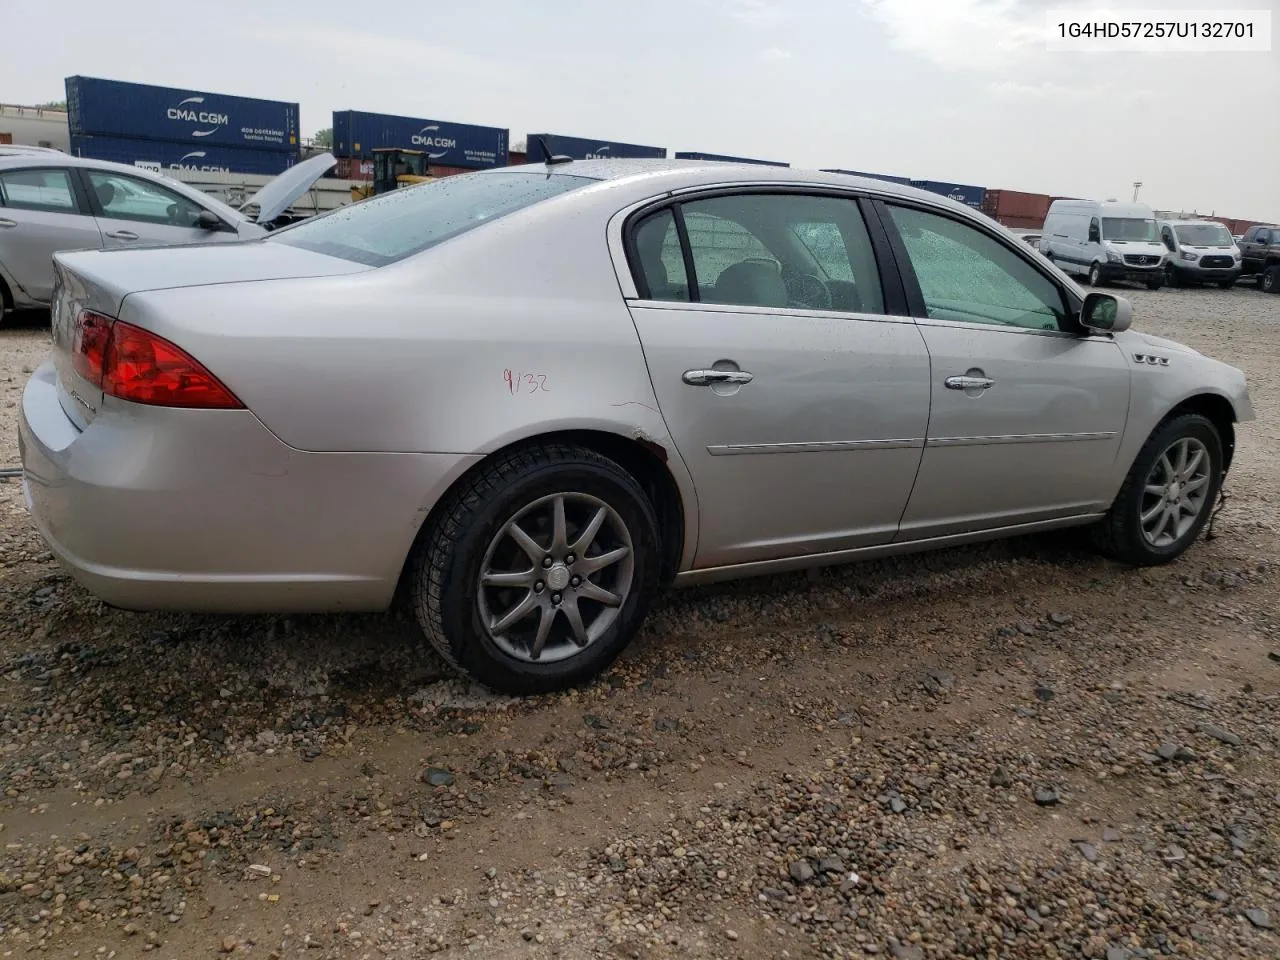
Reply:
x=1106, y=313
x=208, y=220
x=1095, y=236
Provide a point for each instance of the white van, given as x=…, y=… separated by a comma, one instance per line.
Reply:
x=1200, y=251
x=1105, y=240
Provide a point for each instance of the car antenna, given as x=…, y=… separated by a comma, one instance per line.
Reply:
x=552, y=158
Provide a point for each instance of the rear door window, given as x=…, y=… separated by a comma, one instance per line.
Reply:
x=793, y=251
x=47, y=190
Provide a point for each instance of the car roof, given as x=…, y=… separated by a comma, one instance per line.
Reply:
x=675, y=174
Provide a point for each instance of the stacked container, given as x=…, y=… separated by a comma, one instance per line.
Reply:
x=963, y=192
x=450, y=147
x=166, y=128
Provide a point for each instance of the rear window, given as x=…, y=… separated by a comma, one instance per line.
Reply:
x=411, y=219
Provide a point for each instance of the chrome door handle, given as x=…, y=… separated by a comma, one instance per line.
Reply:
x=702, y=378
x=7, y=223
x=123, y=235
x=969, y=383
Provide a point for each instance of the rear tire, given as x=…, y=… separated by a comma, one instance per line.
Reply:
x=1269, y=282
x=491, y=527
x=1095, y=274
x=1129, y=533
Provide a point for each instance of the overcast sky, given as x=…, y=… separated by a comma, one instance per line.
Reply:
x=957, y=90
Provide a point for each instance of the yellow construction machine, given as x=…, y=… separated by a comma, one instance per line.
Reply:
x=393, y=168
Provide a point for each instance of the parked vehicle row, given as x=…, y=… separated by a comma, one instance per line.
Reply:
x=534, y=395
x=1109, y=240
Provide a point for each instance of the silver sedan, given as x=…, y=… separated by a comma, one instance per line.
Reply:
x=533, y=396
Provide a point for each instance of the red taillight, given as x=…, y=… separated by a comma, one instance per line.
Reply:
x=136, y=365
x=89, y=348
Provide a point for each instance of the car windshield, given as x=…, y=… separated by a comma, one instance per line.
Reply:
x=408, y=220
x=1203, y=235
x=1129, y=228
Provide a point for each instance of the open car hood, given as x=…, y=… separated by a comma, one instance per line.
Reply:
x=276, y=195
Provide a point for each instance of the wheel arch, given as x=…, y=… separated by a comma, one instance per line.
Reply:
x=6, y=296
x=1219, y=411
x=646, y=460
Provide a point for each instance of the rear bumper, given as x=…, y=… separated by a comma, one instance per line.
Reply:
x=206, y=510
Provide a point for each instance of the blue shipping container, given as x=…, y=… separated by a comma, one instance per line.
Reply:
x=112, y=108
x=162, y=155
x=583, y=149
x=963, y=192
x=357, y=134
x=874, y=176
x=686, y=155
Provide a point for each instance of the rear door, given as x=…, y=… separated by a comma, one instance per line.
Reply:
x=796, y=390
x=132, y=211
x=41, y=212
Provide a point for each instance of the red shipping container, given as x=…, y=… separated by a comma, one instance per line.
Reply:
x=1022, y=223
x=1014, y=203
x=6, y=138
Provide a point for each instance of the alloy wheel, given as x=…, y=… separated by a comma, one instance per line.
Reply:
x=555, y=577
x=1176, y=492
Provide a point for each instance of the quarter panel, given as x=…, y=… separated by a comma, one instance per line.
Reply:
x=148, y=494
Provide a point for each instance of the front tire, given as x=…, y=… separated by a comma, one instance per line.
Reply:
x=1168, y=495
x=1155, y=283
x=1226, y=284
x=1269, y=282
x=1095, y=274
x=537, y=571
x=1171, y=276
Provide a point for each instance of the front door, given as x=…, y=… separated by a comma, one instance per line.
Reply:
x=40, y=214
x=797, y=404
x=1028, y=413
x=134, y=212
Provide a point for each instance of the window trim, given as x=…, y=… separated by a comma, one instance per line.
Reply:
x=1070, y=302
x=78, y=200
x=891, y=282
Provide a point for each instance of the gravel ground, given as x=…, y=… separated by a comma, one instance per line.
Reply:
x=1016, y=750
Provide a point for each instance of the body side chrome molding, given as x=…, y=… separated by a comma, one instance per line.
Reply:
x=1017, y=438
x=822, y=446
